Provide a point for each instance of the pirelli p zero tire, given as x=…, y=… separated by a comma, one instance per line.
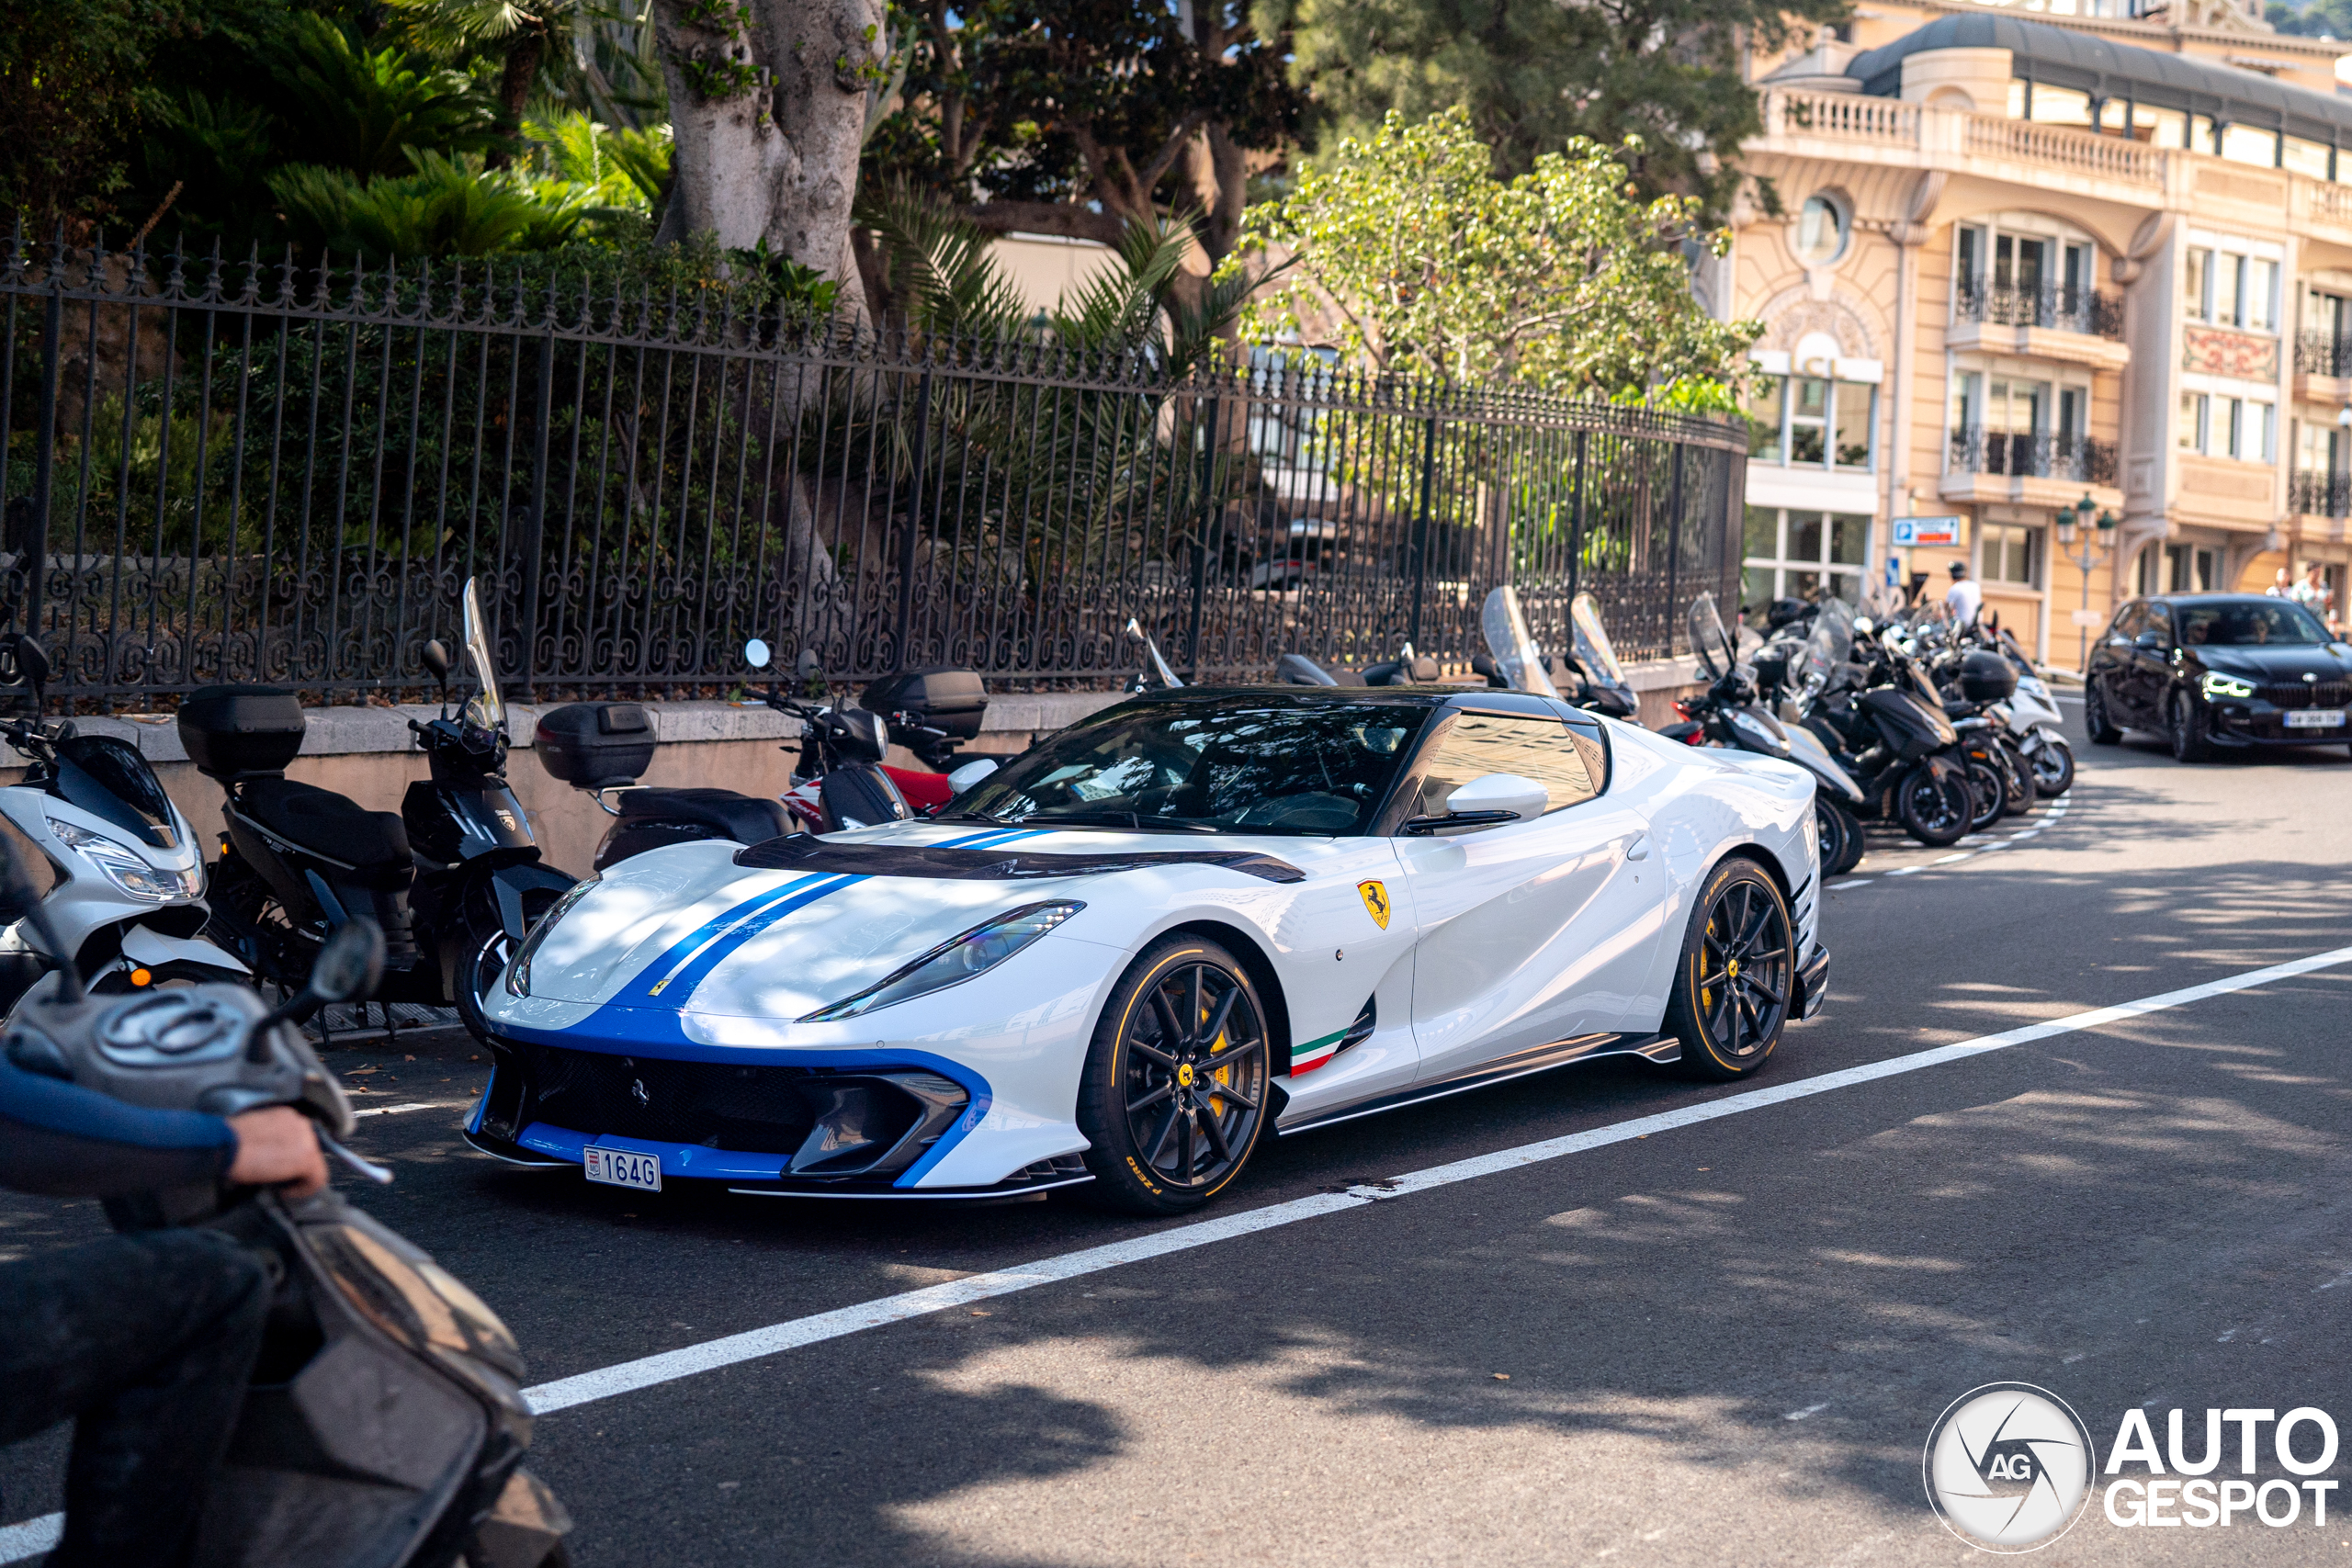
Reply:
x=1174, y=1095
x=1737, y=975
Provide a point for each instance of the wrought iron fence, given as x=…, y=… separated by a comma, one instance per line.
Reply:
x=251, y=471
x=2322, y=353
x=2053, y=306
x=2032, y=454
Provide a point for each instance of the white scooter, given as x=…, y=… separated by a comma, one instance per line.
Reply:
x=125, y=873
x=2035, y=721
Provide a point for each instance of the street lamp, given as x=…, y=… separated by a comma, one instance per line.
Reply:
x=2084, y=524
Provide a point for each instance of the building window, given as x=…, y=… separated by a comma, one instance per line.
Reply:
x=1810, y=421
x=2010, y=553
x=2250, y=144
x=2230, y=290
x=1821, y=231
x=1801, y=553
x=2243, y=428
x=2197, y=281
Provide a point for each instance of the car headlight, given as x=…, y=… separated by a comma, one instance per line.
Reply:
x=127, y=868
x=955, y=961
x=518, y=968
x=2217, y=684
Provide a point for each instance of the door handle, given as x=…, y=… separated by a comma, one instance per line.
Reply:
x=1639, y=848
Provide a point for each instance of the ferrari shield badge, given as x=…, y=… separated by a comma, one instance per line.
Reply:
x=1375, y=902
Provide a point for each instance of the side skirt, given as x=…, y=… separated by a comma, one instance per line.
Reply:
x=1657, y=1048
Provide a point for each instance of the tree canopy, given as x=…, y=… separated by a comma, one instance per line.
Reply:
x=1534, y=75
x=1407, y=249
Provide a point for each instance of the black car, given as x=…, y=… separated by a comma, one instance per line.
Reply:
x=2218, y=671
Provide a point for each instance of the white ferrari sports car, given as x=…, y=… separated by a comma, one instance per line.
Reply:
x=1199, y=918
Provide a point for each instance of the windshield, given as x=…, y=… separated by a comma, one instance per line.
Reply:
x=487, y=711
x=106, y=778
x=2255, y=624
x=1831, y=643
x=1709, y=641
x=1594, y=651
x=1243, y=764
x=1513, y=647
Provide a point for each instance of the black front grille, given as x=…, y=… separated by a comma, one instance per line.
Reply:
x=717, y=1105
x=2305, y=693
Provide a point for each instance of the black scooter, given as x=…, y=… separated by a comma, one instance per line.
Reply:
x=384, y=1425
x=839, y=783
x=454, y=879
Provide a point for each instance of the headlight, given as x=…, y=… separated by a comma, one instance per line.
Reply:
x=2220, y=685
x=518, y=968
x=127, y=868
x=952, y=962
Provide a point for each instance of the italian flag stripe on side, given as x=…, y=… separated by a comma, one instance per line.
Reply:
x=1304, y=1059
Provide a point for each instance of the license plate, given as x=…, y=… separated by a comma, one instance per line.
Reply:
x=619, y=1167
x=2314, y=718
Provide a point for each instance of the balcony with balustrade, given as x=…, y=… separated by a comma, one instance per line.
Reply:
x=2322, y=368
x=2322, y=499
x=2027, y=468
x=2076, y=326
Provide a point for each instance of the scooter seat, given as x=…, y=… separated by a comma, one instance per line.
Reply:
x=333, y=826
x=746, y=818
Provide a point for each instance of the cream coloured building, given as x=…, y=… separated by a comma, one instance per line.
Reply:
x=2023, y=259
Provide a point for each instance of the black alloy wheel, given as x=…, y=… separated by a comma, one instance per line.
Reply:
x=1835, y=829
x=2189, y=729
x=2017, y=777
x=1933, y=810
x=1176, y=1082
x=2103, y=731
x=1737, y=982
x=2053, y=767
x=1989, y=799
x=482, y=962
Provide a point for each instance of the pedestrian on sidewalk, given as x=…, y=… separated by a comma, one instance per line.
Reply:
x=1964, y=597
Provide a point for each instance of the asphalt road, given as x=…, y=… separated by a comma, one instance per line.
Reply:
x=1722, y=1342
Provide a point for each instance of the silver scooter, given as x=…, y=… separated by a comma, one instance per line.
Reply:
x=121, y=872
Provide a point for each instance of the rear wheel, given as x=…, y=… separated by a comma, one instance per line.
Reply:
x=1933, y=810
x=2102, y=728
x=2053, y=767
x=2017, y=778
x=1988, y=798
x=1175, y=1094
x=1739, y=971
x=2191, y=739
x=1849, y=830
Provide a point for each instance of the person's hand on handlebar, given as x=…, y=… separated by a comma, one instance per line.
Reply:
x=277, y=1146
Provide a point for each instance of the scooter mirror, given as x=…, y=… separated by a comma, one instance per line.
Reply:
x=350, y=965
x=810, y=666
x=756, y=654
x=435, y=660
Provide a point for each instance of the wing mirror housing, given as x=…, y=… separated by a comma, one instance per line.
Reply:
x=971, y=774
x=1487, y=801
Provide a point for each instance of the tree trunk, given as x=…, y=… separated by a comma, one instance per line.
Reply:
x=528, y=48
x=768, y=119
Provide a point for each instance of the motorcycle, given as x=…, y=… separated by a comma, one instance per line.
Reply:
x=2035, y=724
x=1886, y=732
x=602, y=749
x=454, y=879
x=1731, y=713
x=384, y=1425
x=126, y=873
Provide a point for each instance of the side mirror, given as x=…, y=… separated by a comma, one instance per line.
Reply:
x=2153, y=642
x=1297, y=670
x=435, y=660
x=1487, y=801
x=756, y=654
x=971, y=774
x=808, y=666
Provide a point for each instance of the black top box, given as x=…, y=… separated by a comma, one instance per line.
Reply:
x=952, y=700
x=230, y=730
x=590, y=745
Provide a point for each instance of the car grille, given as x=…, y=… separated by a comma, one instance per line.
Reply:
x=722, y=1106
x=2305, y=695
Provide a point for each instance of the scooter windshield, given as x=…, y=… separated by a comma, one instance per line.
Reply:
x=1710, y=642
x=1594, y=648
x=1831, y=643
x=106, y=778
x=488, y=709
x=1512, y=646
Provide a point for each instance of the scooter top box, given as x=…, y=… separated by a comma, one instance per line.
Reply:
x=949, y=700
x=590, y=744
x=230, y=730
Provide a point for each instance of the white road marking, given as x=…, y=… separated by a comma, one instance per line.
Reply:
x=2050, y=819
x=19, y=1542
x=1948, y=859
x=1855, y=881
x=1808, y=1410
x=1906, y=871
x=415, y=1105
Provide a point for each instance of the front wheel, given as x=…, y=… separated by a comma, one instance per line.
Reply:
x=2053, y=767
x=2017, y=778
x=2102, y=728
x=487, y=949
x=1177, y=1081
x=1988, y=796
x=1932, y=809
x=2191, y=736
x=1738, y=972
x=1850, y=844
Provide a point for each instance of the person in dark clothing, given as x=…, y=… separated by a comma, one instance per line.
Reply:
x=143, y=1341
